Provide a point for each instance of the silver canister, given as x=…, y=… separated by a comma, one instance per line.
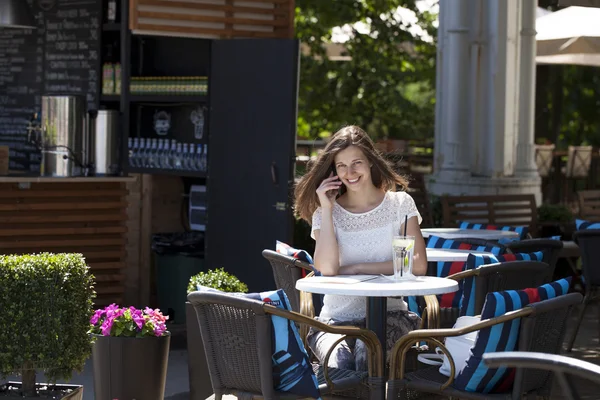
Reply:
x=62, y=132
x=105, y=143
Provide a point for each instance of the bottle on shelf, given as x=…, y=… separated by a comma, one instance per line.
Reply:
x=162, y=154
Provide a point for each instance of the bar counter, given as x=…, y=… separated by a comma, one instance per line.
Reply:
x=43, y=179
x=76, y=215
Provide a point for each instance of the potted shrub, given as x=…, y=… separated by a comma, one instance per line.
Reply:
x=200, y=385
x=555, y=219
x=46, y=303
x=130, y=353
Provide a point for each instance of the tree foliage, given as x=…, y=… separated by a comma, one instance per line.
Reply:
x=388, y=85
x=567, y=101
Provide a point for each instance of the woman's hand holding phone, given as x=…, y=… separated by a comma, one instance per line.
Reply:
x=328, y=190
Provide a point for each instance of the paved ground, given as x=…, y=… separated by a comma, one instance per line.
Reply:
x=586, y=348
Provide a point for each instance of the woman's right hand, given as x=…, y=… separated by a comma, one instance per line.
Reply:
x=328, y=189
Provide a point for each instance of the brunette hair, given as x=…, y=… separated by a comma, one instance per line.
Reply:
x=382, y=173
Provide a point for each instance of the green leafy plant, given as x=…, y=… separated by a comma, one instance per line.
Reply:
x=217, y=279
x=554, y=213
x=46, y=306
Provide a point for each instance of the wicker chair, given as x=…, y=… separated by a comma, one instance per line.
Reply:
x=550, y=247
x=286, y=271
x=563, y=367
x=589, y=244
x=542, y=329
x=510, y=275
x=237, y=338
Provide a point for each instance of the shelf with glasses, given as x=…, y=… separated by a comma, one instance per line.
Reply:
x=160, y=155
x=162, y=171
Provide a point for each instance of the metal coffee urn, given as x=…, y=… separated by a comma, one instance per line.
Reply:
x=105, y=144
x=62, y=135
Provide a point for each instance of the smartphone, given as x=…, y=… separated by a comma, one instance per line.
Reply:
x=340, y=189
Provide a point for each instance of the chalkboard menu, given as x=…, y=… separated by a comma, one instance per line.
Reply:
x=60, y=57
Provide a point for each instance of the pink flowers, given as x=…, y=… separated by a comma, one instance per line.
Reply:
x=128, y=322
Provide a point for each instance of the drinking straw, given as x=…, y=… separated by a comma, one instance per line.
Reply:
x=405, y=223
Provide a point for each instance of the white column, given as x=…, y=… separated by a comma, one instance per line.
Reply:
x=453, y=112
x=484, y=115
x=525, y=163
x=438, y=143
x=504, y=72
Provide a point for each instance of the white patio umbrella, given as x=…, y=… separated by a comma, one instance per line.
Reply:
x=569, y=36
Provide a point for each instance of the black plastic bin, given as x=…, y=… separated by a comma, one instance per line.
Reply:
x=178, y=256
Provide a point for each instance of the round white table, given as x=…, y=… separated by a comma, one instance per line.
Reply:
x=457, y=233
x=376, y=285
x=376, y=289
x=452, y=255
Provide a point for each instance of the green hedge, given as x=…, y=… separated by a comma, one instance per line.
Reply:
x=217, y=279
x=46, y=304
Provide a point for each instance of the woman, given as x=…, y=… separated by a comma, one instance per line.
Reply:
x=350, y=197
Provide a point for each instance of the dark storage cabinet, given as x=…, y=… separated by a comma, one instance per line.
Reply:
x=249, y=132
x=252, y=145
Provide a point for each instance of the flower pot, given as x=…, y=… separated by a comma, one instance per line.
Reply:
x=58, y=391
x=199, y=377
x=130, y=368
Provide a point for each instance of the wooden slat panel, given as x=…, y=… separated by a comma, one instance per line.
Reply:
x=74, y=216
x=59, y=186
x=227, y=8
x=63, y=231
x=87, y=218
x=62, y=206
x=63, y=194
x=109, y=277
x=60, y=243
x=109, y=289
x=214, y=18
x=104, y=255
x=202, y=18
x=213, y=32
x=102, y=301
x=107, y=265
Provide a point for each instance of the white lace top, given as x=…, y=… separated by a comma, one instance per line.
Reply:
x=364, y=238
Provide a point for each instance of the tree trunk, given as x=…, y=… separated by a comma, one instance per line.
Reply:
x=28, y=379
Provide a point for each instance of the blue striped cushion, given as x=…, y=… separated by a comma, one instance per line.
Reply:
x=475, y=376
x=445, y=269
x=292, y=370
x=581, y=224
x=521, y=230
x=467, y=302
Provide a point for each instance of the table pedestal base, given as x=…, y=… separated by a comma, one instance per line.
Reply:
x=377, y=319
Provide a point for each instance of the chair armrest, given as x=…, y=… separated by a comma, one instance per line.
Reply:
x=306, y=308
x=436, y=336
x=431, y=312
x=375, y=349
x=553, y=362
x=304, y=265
x=306, y=303
x=459, y=276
